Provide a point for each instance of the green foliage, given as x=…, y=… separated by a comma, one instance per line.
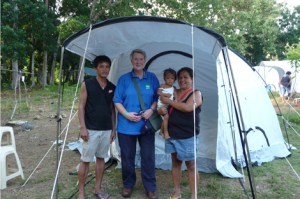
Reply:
x=256, y=29
x=13, y=40
x=71, y=8
x=293, y=54
x=27, y=26
x=71, y=26
x=249, y=27
x=289, y=24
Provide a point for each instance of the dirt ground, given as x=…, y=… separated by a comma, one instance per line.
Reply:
x=39, y=156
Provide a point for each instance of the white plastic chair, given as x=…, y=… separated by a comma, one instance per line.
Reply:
x=7, y=137
x=7, y=148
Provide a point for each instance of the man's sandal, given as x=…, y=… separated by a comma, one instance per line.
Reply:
x=102, y=195
x=174, y=197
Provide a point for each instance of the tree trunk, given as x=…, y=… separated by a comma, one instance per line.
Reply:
x=15, y=70
x=44, y=72
x=32, y=70
x=40, y=75
x=3, y=67
x=52, y=71
x=52, y=74
x=45, y=60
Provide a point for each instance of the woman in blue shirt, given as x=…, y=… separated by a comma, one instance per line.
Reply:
x=130, y=120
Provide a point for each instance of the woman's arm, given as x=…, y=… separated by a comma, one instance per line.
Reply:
x=189, y=105
x=113, y=119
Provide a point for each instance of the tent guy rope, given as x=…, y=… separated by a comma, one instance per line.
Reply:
x=293, y=168
x=53, y=144
x=194, y=110
x=64, y=142
x=286, y=121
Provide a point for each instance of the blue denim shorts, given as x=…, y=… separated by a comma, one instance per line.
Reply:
x=183, y=147
x=285, y=90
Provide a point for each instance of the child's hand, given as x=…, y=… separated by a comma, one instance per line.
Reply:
x=168, y=95
x=165, y=100
x=162, y=111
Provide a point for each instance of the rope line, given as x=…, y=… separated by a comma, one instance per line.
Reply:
x=45, y=155
x=293, y=108
x=19, y=71
x=292, y=168
x=290, y=126
x=64, y=142
x=194, y=115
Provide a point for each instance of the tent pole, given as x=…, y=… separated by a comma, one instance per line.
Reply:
x=240, y=122
x=59, y=116
x=58, y=130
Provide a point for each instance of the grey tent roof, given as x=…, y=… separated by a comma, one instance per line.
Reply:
x=160, y=30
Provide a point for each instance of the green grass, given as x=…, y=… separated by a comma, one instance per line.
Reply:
x=37, y=100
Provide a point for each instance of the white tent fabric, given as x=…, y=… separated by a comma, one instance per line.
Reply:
x=230, y=94
x=272, y=71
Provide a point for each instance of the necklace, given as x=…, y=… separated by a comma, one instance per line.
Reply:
x=102, y=83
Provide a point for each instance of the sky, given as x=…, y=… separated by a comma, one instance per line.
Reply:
x=290, y=3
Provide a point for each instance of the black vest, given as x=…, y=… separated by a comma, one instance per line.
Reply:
x=98, y=113
x=285, y=81
x=181, y=124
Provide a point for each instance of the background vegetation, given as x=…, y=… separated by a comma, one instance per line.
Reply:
x=32, y=30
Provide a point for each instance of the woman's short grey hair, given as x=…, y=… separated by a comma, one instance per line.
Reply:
x=140, y=51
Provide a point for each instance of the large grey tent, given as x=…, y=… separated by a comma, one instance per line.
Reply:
x=234, y=104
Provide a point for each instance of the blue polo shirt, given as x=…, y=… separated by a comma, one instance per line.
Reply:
x=126, y=95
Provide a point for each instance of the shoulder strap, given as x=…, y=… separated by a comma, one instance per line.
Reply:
x=184, y=95
x=183, y=98
x=139, y=94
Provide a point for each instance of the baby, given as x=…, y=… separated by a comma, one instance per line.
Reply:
x=167, y=89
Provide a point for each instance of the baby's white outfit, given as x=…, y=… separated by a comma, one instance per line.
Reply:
x=166, y=91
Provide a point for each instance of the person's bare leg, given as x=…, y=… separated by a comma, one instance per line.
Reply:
x=176, y=175
x=82, y=173
x=192, y=177
x=99, y=170
x=162, y=130
x=165, y=124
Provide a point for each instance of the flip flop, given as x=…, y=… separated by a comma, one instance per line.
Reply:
x=102, y=195
x=173, y=197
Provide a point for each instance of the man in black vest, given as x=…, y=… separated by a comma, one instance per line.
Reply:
x=96, y=113
x=286, y=84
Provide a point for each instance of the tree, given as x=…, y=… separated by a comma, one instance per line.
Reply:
x=293, y=54
x=13, y=41
x=250, y=27
x=29, y=27
x=80, y=14
x=23, y=31
x=289, y=24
